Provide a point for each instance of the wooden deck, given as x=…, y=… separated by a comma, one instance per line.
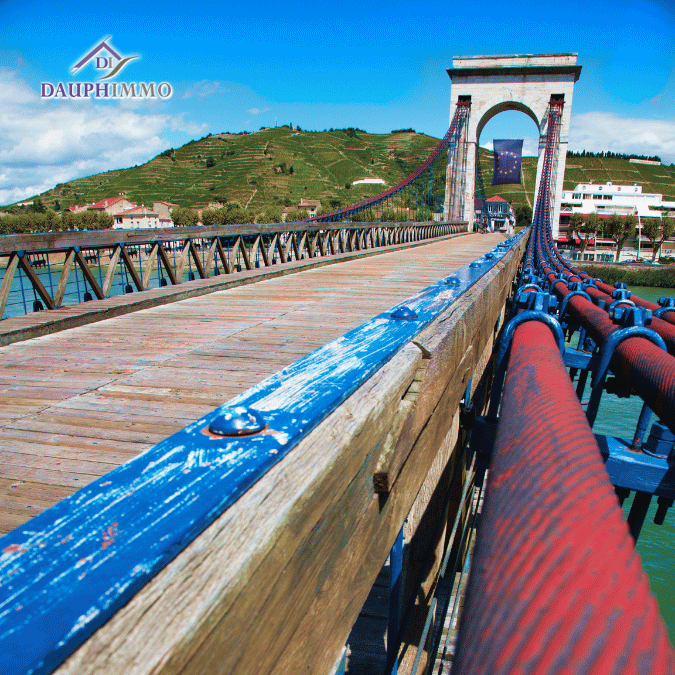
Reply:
x=77, y=403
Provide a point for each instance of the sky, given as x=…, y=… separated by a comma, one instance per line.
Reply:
x=376, y=66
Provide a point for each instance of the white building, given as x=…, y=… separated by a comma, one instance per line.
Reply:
x=609, y=199
x=139, y=217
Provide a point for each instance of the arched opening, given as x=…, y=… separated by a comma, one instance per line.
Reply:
x=506, y=120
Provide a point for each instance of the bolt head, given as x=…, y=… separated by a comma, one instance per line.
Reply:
x=403, y=312
x=239, y=421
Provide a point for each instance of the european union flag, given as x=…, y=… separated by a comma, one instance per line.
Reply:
x=508, y=155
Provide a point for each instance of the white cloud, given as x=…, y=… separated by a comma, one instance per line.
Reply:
x=599, y=131
x=43, y=143
x=257, y=111
x=205, y=88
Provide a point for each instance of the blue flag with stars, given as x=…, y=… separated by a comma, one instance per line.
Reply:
x=508, y=156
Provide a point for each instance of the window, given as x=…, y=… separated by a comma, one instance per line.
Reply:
x=597, y=196
x=606, y=196
x=576, y=195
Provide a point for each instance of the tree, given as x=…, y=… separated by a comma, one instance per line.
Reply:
x=576, y=221
x=589, y=227
x=296, y=214
x=620, y=230
x=423, y=215
x=523, y=214
x=184, y=217
x=272, y=214
x=67, y=220
x=105, y=220
x=51, y=221
x=37, y=206
x=667, y=229
x=651, y=228
x=210, y=216
x=210, y=162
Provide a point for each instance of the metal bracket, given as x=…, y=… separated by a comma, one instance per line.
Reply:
x=505, y=344
x=634, y=318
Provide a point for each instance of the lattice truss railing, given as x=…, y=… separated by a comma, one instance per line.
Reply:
x=86, y=266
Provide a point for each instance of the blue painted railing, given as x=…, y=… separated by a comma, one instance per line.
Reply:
x=65, y=572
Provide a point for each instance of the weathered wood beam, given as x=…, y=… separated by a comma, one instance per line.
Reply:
x=63, y=279
x=112, y=268
x=210, y=254
x=167, y=264
x=89, y=275
x=131, y=268
x=183, y=260
x=311, y=243
x=149, y=264
x=281, y=249
x=223, y=257
x=7, y=279
x=197, y=260
x=300, y=245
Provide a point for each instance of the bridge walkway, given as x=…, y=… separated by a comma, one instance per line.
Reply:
x=77, y=403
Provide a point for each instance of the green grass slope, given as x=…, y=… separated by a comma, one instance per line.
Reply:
x=278, y=166
x=268, y=167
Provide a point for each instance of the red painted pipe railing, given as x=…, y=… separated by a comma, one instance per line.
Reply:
x=649, y=369
x=556, y=585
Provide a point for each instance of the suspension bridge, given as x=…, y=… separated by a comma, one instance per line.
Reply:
x=384, y=383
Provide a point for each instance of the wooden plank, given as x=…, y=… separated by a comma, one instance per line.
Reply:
x=286, y=390
x=149, y=265
x=89, y=275
x=167, y=264
x=110, y=272
x=25, y=265
x=274, y=505
x=131, y=269
x=7, y=280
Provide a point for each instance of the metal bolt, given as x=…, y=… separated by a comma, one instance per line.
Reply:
x=403, y=312
x=453, y=281
x=239, y=421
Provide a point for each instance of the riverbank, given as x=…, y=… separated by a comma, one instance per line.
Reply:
x=654, y=276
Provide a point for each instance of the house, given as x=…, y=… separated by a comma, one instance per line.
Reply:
x=164, y=210
x=311, y=205
x=112, y=205
x=138, y=217
x=494, y=214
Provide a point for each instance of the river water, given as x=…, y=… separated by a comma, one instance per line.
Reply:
x=656, y=545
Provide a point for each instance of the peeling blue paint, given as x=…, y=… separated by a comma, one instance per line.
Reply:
x=68, y=570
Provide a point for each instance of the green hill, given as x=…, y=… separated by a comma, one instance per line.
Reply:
x=271, y=166
x=278, y=166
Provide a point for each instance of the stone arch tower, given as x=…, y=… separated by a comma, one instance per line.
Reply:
x=523, y=82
